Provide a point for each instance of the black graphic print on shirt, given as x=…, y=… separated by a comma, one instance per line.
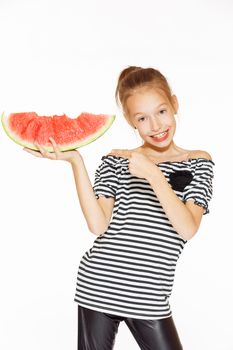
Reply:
x=180, y=179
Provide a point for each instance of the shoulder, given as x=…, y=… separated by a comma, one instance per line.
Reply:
x=114, y=161
x=204, y=165
x=200, y=154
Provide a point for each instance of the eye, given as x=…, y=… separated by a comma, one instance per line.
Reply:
x=163, y=110
x=141, y=118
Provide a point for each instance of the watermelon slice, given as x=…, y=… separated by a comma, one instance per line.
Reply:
x=69, y=133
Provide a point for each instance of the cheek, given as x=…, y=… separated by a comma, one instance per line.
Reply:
x=173, y=125
x=142, y=128
x=170, y=120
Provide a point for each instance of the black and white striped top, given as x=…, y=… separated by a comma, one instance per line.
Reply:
x=130, y=269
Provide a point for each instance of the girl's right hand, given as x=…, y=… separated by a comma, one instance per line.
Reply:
x=69, y=156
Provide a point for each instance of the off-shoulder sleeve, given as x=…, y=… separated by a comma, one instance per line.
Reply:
x=106, y=180
x=200, y=189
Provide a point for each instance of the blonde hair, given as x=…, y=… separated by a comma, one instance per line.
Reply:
x=134, y=77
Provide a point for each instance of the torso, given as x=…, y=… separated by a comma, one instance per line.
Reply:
x=129, y=271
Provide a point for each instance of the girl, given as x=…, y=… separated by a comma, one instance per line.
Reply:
x=146, y=203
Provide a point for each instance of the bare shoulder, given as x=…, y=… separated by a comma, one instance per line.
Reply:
x=200, y=154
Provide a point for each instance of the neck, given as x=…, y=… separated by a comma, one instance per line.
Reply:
x=169, y=151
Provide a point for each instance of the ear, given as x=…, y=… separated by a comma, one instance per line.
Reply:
x=175, y=103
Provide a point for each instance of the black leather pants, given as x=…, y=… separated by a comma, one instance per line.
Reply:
x=97, y=331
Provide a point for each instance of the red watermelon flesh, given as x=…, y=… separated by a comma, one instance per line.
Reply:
x=70, y=129
x=19, y=121
x=90, y=122
x=69, y=133
x=43, y=128
x=31, y=131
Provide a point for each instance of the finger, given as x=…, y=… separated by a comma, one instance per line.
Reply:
x=40, y=148
x=35, y=153
x=44, y=153
x=55, y=147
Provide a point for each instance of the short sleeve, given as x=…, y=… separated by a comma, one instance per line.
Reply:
x=105, y=182
x=200, y=189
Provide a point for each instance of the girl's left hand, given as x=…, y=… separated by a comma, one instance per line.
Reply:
x=140, y=165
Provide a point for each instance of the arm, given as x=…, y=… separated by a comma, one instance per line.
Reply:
x=97, y=212
x=185, y=218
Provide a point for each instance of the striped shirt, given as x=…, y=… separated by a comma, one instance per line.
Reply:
x=129, y=271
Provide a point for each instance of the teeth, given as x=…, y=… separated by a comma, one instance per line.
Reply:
x=160, y=135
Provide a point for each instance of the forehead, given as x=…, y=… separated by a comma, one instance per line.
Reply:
x=145, y=98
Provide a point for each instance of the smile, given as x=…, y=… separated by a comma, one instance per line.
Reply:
x=160, y=137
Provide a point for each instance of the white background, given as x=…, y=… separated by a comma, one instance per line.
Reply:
x=65, y=56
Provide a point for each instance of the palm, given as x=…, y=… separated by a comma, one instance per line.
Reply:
x=56, y=155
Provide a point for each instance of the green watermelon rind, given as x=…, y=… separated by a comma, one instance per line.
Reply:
x=63, y=148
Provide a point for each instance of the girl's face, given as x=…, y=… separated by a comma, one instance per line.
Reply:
x=153, y=116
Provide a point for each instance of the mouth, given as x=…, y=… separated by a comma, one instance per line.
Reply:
x=161, y=136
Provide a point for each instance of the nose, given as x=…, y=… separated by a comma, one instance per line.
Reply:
x=155, y=123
